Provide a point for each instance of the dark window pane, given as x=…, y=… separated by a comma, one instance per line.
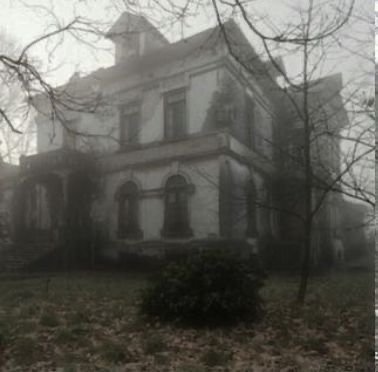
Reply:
x=130, y=124
x=251, y=206
x=128, y=224
x=175, y=114
x=251, y=122
x=176, y=223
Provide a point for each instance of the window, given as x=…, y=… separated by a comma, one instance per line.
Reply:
x=69, y=137
x=130, y=45
x=296, y=146
x=225, y=114
x=176, y=221
x=129, y=124
x=251, y=206
x=250, y=118
x=175, y=114
x=128, y=211
x=259, y=135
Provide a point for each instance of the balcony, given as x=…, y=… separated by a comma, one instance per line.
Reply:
x=54, y=160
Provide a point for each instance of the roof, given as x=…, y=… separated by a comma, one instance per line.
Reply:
x=172, y=52
x=332, y=84
x=180, y=50
x=132, y=23
x=177, y=51
x=325, y=96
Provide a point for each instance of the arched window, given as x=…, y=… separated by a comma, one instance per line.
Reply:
x=128, y=211
x=251, y=207
x=176, y=219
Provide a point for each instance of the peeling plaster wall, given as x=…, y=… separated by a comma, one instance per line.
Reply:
x=202, y=88
x=104, y=125
x=203, y=203
x=204, y=80
x=228, y=103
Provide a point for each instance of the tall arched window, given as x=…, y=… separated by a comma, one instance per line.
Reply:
x=176, y=219
x=128, y=211
x=251, y=207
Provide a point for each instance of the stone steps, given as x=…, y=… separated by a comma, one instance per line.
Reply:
x=20, y=257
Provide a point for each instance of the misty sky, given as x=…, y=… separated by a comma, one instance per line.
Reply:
x=23, y=25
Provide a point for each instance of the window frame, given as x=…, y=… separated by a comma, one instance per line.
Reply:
x=251, y=209
x=172, y=127
x=177, y=213
x=126, y=111
x=130, y=192
x=251, y=122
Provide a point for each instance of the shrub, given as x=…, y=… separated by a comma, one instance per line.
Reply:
x=213, y=287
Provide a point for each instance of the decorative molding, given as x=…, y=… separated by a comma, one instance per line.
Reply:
x=175, y=167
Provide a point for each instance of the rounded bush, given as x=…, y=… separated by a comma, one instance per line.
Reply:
x=210, y=288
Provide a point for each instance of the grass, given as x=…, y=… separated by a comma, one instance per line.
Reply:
x=154, y=344
x=87, y=322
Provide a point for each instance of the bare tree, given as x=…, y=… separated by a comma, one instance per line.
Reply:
x=313, y=34
x=33, y=76
x=11, y=100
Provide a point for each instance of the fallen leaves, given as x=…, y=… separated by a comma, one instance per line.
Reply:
x=92, y=326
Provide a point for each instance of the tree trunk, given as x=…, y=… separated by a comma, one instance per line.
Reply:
x=305, y=272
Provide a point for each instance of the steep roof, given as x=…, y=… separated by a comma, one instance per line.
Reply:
x=129, y=23
x=189, y=47
x=180, y=50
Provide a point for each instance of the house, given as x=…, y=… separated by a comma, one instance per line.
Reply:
x=180, y=151
x=356, y=222
x=8, y=173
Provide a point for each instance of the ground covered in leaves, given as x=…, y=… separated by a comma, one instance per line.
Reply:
x=90, y=322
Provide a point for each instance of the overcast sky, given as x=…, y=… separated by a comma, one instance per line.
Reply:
x=25, y=24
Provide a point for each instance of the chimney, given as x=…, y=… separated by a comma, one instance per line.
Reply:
x=134, y=36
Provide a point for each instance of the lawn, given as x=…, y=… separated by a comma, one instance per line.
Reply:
x=89, y=322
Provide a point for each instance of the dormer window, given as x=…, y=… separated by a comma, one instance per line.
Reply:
x=129, y=124
x=175, y=114
x=133, y=35
x=131, y=44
